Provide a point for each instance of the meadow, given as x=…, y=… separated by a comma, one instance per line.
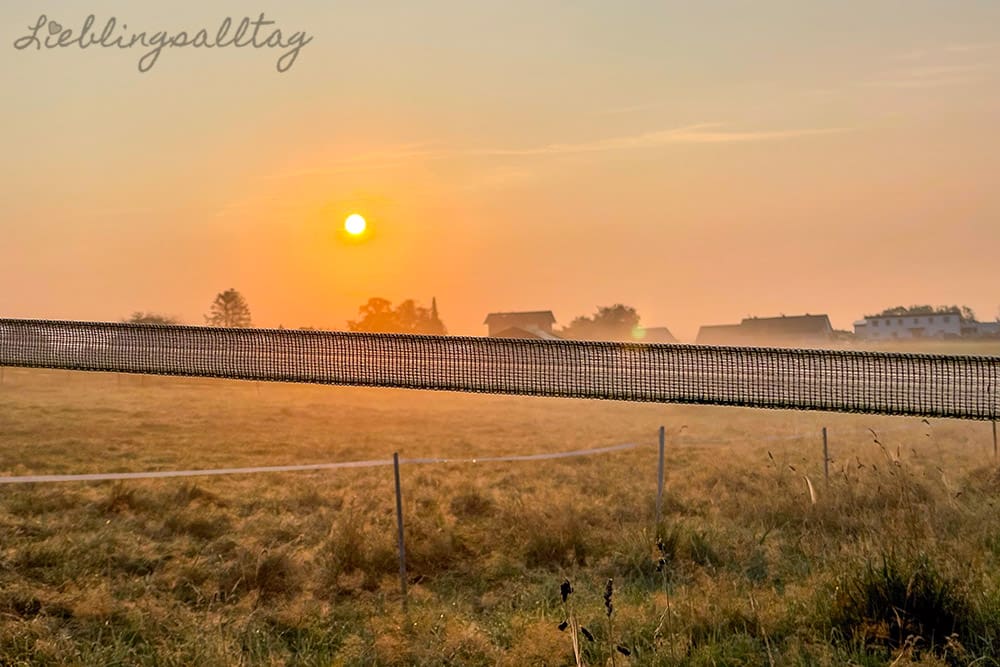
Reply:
x=758, y=559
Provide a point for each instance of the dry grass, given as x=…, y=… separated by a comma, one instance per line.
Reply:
x=300, y=568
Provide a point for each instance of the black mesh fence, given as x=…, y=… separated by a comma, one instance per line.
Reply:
x=839, y=381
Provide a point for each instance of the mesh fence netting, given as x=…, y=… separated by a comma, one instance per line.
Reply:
x=832, y=380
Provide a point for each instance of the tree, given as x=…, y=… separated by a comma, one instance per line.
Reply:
x=616, y=322
x=139, y=317
x=378, y=315
x=229, y=309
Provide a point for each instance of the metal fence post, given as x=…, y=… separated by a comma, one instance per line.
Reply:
x=995, y=440
x=659, y=480
x=399, y=525
x=826, y=458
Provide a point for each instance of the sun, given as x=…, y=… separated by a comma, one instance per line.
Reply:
x=355, y=224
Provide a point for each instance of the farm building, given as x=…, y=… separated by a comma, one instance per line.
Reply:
x=916, y=323
x=983, y=329
x=653, y=335
x=529, y=324
x=718, y=334
x=784, y=331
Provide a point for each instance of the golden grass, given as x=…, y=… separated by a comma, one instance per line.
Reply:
x=300, y=568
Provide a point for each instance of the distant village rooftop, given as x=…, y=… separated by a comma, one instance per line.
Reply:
x=782, y=330
x=538, y=323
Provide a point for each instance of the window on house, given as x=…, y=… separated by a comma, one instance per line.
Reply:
x=875, y=323
x=947, y=318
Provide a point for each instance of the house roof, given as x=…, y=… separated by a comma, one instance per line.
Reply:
x=913, y=312
x=787, y=325
x=713, y=333
x=529, y=314
x=869, y=318
x=654, y=335
x=766, y=329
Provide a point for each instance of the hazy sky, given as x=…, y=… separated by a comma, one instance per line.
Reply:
x=699, y=161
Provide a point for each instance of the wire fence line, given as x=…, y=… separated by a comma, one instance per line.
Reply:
x=370, y=463
x=831, y=380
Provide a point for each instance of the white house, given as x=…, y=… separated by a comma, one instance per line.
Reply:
x=981, y=329
x=915, y=324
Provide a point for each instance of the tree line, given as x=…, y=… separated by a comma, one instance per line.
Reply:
x=228, y=309
x=378, y=315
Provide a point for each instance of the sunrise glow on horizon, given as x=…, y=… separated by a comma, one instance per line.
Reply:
x=701, y=163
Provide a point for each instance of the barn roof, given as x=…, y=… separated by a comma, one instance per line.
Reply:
x=787, y=325
x=528, y=314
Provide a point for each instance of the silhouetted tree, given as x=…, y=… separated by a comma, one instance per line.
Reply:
x=378, y=315
x=139, y=317
x=229, y=309
x=616, y=322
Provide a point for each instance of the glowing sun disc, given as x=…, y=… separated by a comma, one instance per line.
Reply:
x=355, y=224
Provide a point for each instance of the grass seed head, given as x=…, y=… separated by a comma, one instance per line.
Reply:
x=609, y=592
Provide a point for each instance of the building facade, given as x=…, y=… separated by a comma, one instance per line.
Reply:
x=537, y=322
x=943, y=324
x=784, y=331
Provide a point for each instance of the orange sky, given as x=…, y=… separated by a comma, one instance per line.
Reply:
x=701, y=164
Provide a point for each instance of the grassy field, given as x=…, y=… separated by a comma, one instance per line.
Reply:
x=758, y=560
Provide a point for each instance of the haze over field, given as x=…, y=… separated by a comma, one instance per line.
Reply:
x=700, y=163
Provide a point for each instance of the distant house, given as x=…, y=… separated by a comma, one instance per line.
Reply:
x=531, y=324
x=792, y=330
x=986, y=329
x=784, y=331
x=918, y=323
x=653, y=335
x=719, y=334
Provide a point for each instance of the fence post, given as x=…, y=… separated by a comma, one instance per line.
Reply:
x=826, y=458
x=399, y=525
x=994, y=440
x=659, y=481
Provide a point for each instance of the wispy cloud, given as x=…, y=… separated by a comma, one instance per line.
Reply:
x=934, y=76
x=972, y=46
x=942, y=66
x=938, y=51
x=702, y=133
x=631, y=108
x=372, y=160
